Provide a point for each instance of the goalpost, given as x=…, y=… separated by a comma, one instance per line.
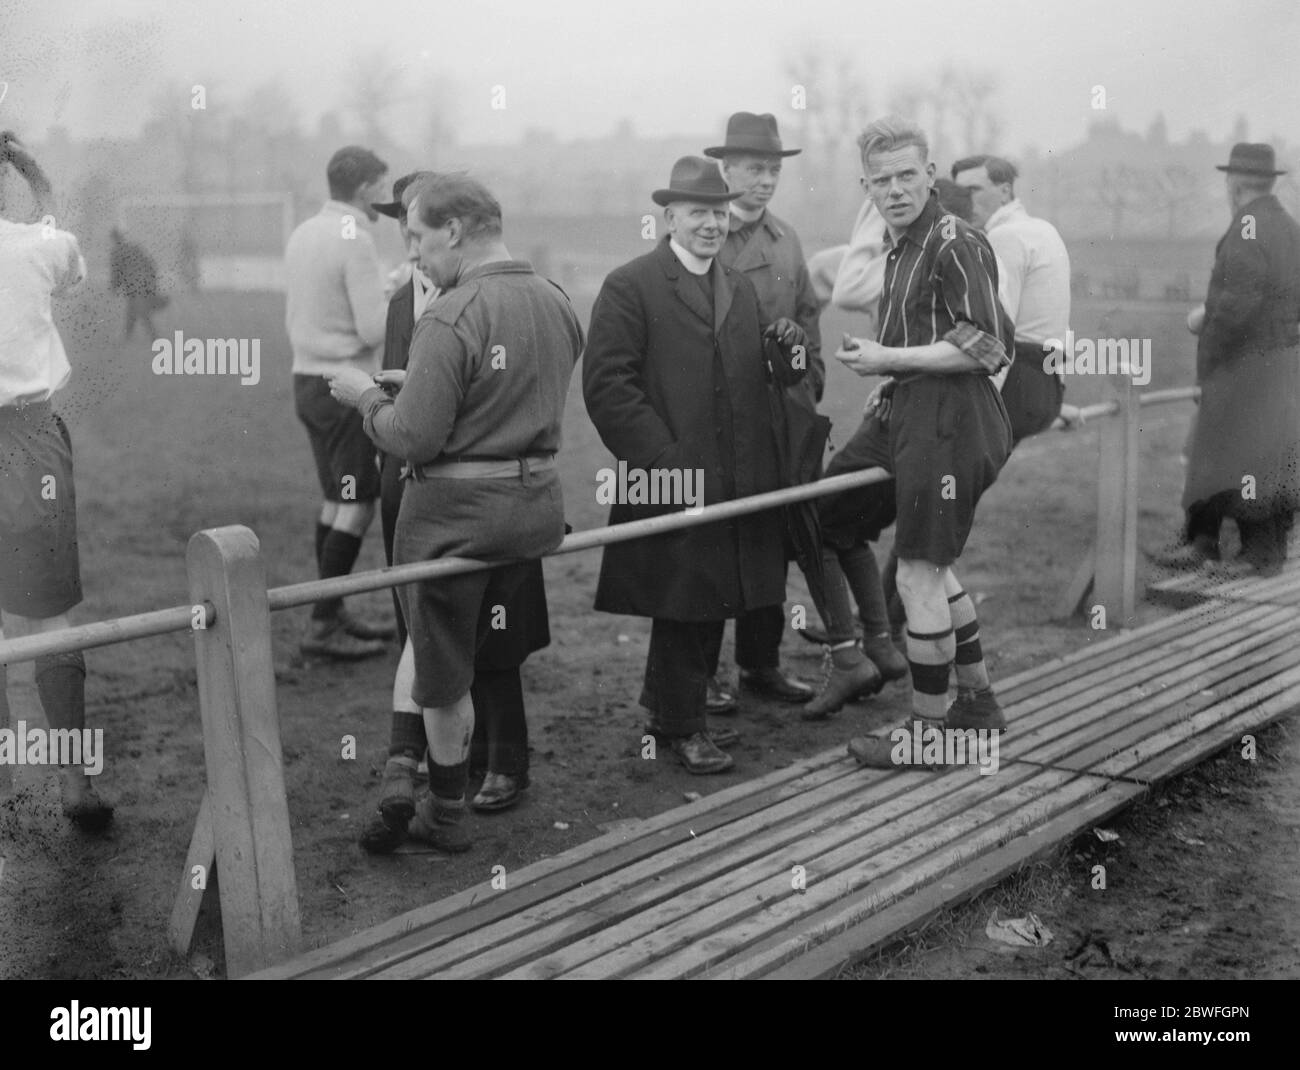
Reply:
x=212, y=241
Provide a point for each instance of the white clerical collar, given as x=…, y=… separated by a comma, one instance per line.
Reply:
x=747, y=215
x=696, y=265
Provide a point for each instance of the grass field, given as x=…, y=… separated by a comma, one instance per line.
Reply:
x=159, y=458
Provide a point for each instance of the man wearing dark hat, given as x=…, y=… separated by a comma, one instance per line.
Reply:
x=335, y=311
x=478, y=421
x=767, y=251
x=1245, y=452
x=675, y=381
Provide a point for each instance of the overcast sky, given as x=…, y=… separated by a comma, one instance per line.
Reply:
x=579, y=66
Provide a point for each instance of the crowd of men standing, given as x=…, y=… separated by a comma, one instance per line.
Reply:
x=438, y=395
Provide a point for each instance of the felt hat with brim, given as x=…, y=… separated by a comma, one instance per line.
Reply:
x=694, y=179
x=750, y=133
x=1249, y=158
x=395, y=209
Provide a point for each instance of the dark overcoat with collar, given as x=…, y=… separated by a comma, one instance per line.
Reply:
x=772, y=259
x=659, y=370
x=1248, y=367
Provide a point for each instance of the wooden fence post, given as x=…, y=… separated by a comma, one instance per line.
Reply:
x=246, y=800
x=1117, y=479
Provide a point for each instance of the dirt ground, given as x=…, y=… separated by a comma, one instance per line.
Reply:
x=160, y=458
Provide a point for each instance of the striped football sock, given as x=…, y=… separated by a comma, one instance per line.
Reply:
x=928, y=656
x=971, y=670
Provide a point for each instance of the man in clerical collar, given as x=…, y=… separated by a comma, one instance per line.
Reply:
x=943, y=335
x=768, y=252
x=675, y=383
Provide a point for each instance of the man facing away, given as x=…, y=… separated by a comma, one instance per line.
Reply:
x=335, y=311
x=767, y=250
x=942, y=335
x=40, y=573
x=478, y=421
x=1245, y=450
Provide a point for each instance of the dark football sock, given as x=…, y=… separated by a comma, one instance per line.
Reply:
x=322, y=531
x=406, y=737
x=338, y=555
x=447, y=782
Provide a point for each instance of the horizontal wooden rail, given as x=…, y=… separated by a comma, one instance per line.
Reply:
x=101, y=633
x=300, y=594
x=181, y=618
x=1163, y=397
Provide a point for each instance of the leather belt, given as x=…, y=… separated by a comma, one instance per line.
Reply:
x=482, y=468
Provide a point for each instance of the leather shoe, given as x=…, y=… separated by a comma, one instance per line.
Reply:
x=863, y=680
x=700, y=755
x=886, y=657
x=381, y=838
x=440, y=825
x=717, y=699
x=776, y=684
x=499, y=792
x=877, y=752
x=976, y=709
x=365, y=629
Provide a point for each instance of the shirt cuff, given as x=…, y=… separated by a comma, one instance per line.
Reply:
x=980, y=346
x=370, y=402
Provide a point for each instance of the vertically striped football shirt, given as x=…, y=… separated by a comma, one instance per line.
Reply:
x=941, y=284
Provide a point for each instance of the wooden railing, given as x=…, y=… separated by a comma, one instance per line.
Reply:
x=242, y=829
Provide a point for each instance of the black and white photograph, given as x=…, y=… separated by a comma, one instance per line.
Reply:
x=603, y=491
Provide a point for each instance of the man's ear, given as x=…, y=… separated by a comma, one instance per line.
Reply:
x=931, y=172
x=454, y=232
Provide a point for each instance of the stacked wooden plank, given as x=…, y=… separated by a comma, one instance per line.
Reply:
x=796, y=873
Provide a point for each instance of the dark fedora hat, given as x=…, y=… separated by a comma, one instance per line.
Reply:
x=747, y=132
x=694, y=179
x=394, y=209
x=1249, y=158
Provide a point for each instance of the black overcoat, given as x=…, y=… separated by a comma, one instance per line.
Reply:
x=1248, y=367
x=671, y=383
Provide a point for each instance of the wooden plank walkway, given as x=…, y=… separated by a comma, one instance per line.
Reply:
x=708, y=890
